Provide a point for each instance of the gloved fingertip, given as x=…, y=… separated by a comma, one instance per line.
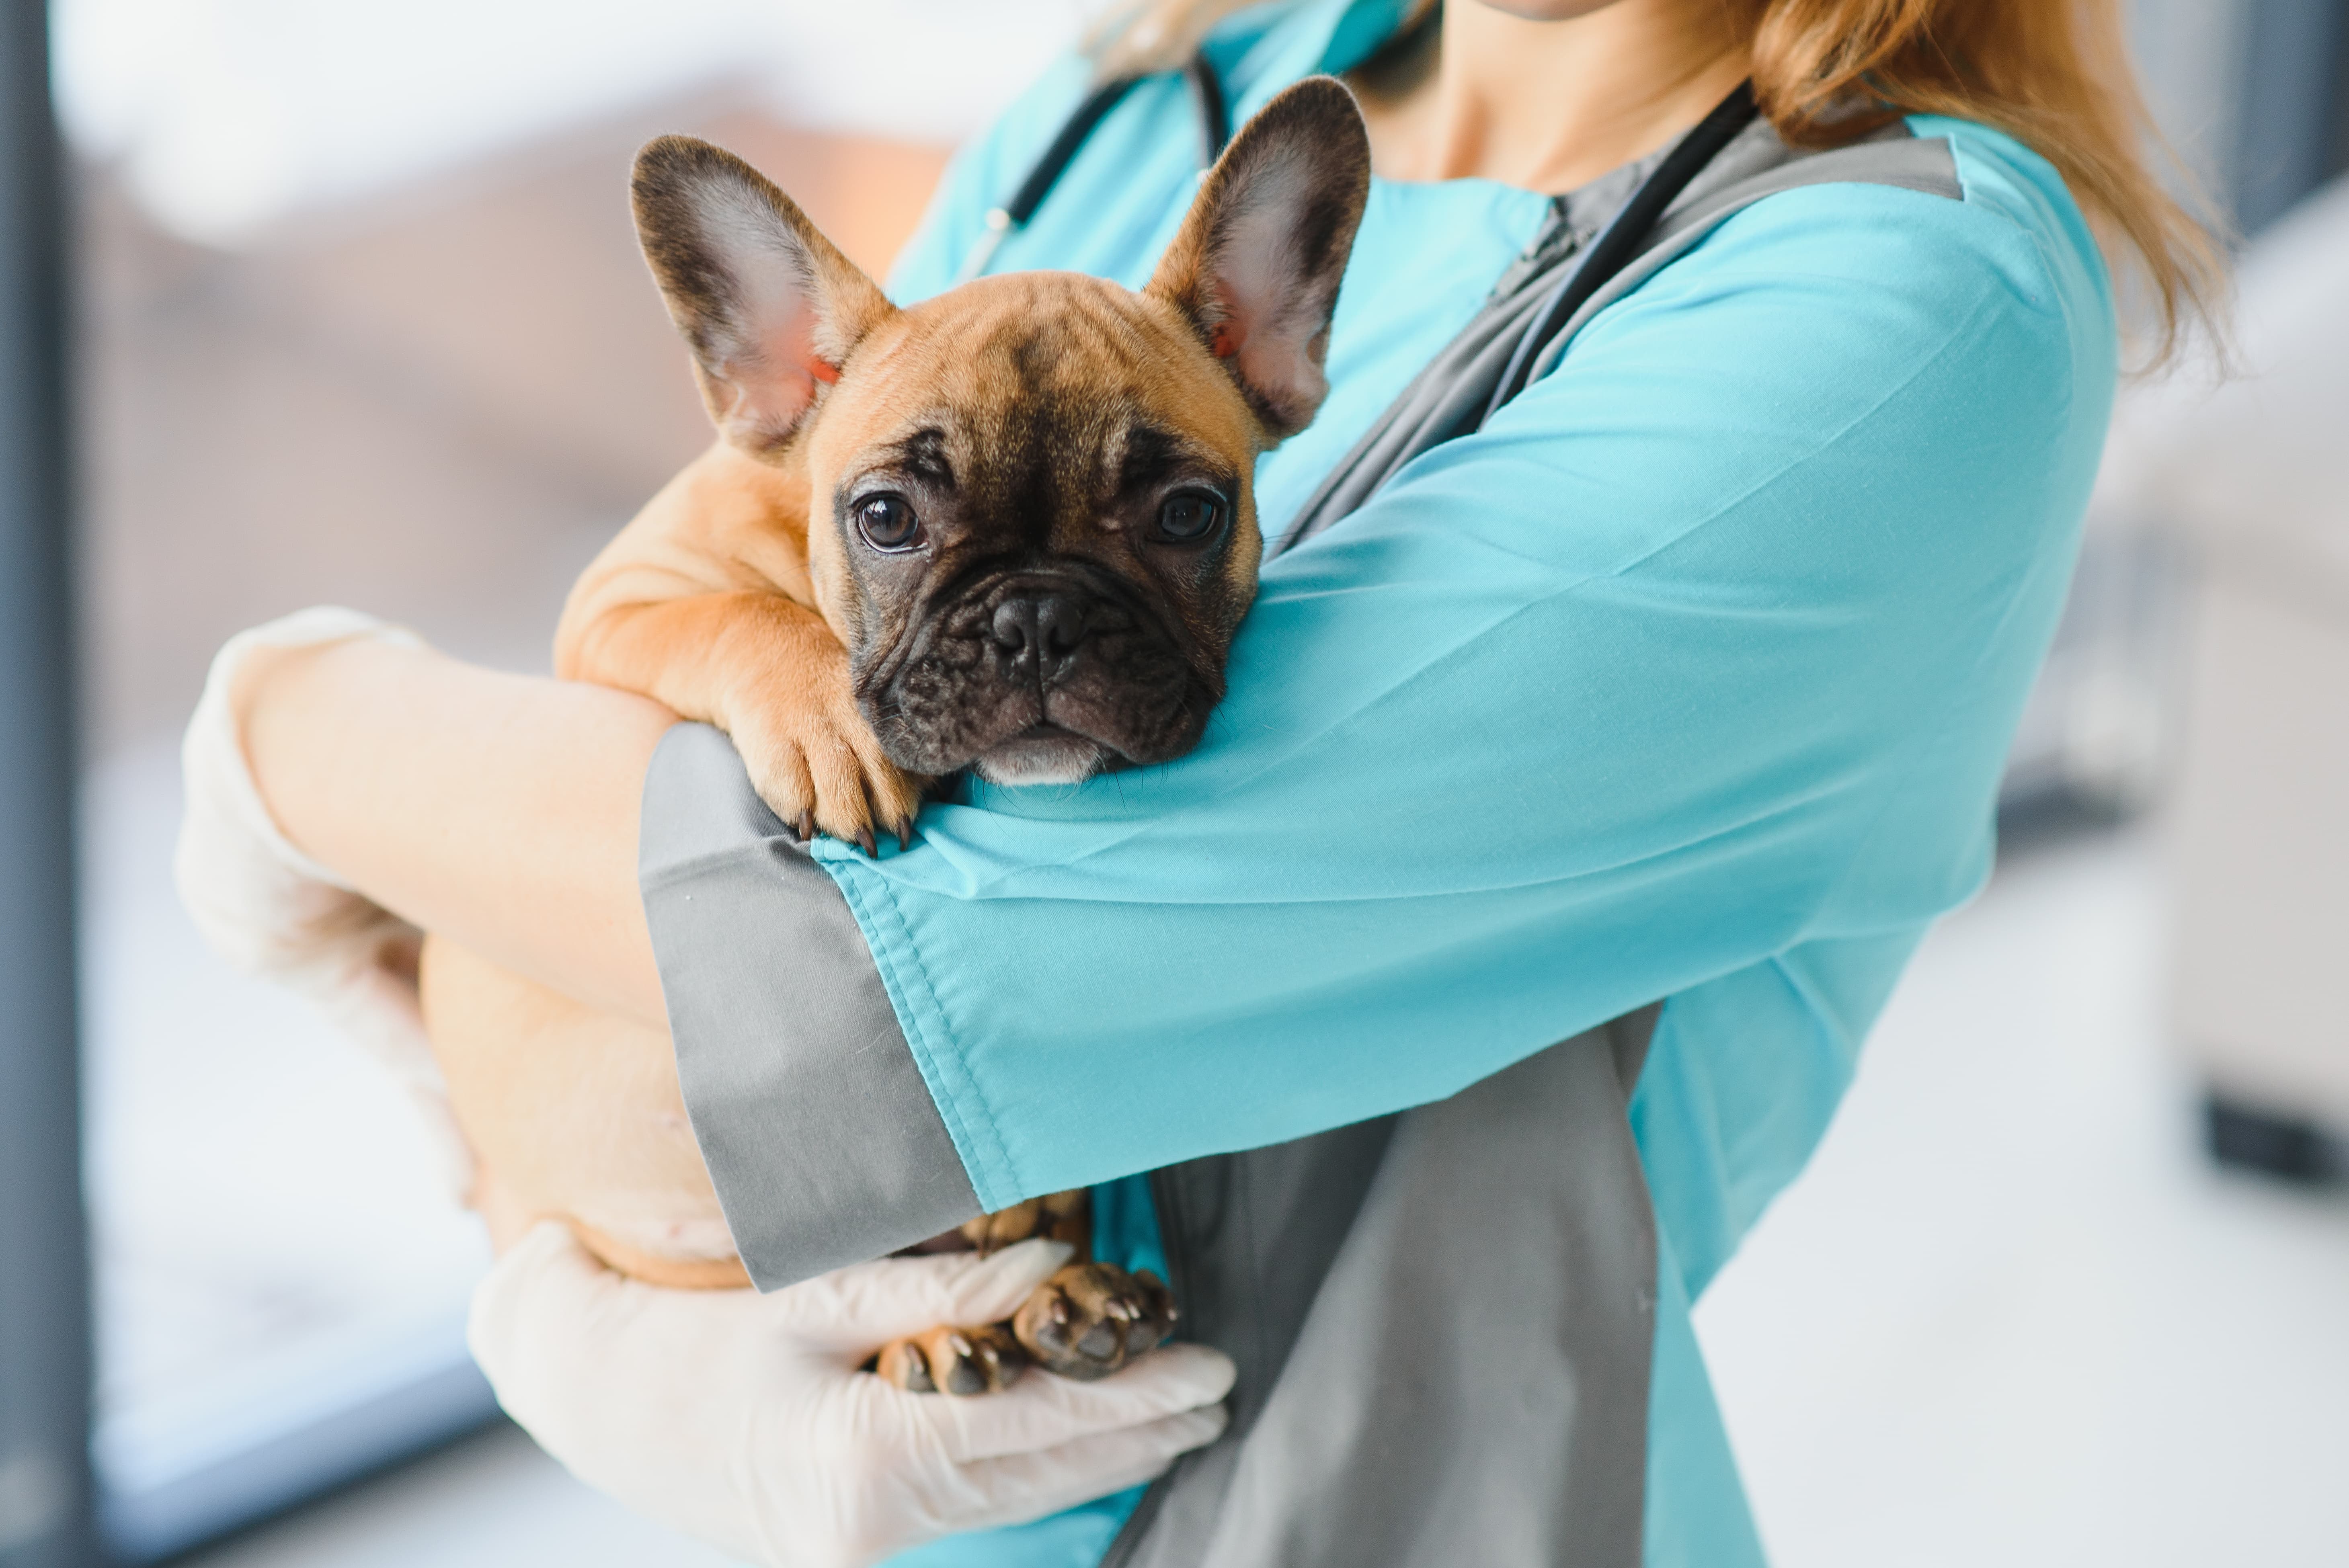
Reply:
x=1035, y=1256
x=864, y=1304
x=492, y=1315
x=1187, y=1375
x=994, y=1289
x=546, y=1233
x=548, y=1257
x=1146, y=1450
x=546, y=1242
x=1196, y=1428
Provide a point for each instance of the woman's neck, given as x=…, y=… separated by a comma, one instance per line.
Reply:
x=1549, y=105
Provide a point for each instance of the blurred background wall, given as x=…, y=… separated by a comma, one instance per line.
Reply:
x=2213, y=608
x=2248, y=95
x=364, y=311
x=363, y=321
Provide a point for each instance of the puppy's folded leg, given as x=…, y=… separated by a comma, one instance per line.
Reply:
x=769, y=672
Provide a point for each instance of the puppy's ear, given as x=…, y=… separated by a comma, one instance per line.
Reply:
x=1256, y=264
x=768, y=305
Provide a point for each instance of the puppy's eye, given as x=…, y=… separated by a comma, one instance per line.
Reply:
x=888, y=522
x=1191, y=517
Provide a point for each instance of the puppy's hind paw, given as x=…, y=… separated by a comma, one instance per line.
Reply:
x=1090, y=1319
x=949, y=1360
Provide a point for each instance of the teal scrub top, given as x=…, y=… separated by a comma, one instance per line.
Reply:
x=1691, y=676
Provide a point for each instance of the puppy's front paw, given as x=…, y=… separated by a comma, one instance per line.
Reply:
x=949, y=1361
x=1090, y=1319
x=824, y=772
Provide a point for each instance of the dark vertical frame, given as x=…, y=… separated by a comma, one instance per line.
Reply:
x=45, y=1335
x=2292, y=107
x=2336, y=134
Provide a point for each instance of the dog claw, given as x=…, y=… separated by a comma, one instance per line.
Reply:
x=805, y=826
x=955, y=1361
x=865, y=839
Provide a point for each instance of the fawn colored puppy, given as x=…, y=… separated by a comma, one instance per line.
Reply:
x=1010, y=529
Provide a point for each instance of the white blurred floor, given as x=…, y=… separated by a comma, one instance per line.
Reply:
x=2009, y=1316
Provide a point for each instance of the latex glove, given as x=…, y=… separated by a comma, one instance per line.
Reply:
x=271, y=909
x=742, y=1419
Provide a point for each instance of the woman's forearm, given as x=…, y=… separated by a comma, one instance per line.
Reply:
x=499, y=810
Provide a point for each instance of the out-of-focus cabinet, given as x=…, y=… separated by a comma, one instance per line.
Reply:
x=2259, y=840
x=2253, y=481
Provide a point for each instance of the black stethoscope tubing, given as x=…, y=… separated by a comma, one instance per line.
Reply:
x=1214, y=131
x=1620, y=244
x=1616, y=248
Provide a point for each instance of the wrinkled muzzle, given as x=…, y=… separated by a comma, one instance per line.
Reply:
x=1041, y=676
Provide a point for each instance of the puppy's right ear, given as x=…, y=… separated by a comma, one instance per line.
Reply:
x=768, y=306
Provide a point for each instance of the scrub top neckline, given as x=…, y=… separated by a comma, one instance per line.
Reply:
x=1334, y=37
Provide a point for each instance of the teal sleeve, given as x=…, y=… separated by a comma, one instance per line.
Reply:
x=1703, y=652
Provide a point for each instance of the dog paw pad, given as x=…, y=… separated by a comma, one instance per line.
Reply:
x=1090, y=1319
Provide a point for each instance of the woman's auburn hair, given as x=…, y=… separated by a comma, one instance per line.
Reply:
x=2056, y=75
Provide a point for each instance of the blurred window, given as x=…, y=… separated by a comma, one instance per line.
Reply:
x=364, y=322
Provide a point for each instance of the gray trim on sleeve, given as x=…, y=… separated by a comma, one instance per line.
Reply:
x=818, y=1130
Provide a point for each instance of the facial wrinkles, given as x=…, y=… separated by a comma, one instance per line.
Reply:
x=1054, y=425
x=1055, y=432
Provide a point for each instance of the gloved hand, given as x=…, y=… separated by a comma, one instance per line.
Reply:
x=271, y=909
x=742, y=1418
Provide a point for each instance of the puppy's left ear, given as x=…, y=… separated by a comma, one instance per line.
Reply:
x=768, y=306
x=1256, y=264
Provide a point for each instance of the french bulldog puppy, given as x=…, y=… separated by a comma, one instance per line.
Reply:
x=1010, y=529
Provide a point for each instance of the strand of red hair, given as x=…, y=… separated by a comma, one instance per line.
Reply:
x=2056, y=75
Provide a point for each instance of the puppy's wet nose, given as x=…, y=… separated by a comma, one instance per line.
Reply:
x=1050, y=625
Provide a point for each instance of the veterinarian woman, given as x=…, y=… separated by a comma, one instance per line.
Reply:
x=1587, y=779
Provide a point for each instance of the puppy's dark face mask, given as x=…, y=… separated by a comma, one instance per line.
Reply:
x=1038, y=561
x=1031, y=517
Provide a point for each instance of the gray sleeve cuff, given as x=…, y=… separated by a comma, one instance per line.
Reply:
x=819, y=1132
